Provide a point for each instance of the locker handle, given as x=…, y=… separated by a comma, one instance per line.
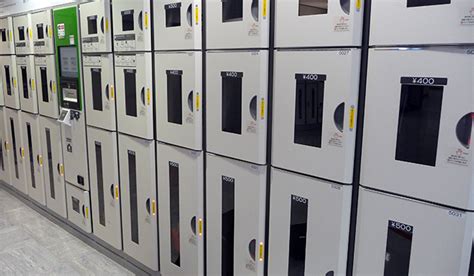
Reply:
x=200, y=226
x=260, y=252
x=114, y=191
x=142, y=95
x=46, y=30
x=14, y=84
x=22, y=152
x=39, y=159
x=253, y=108
x=60, y=169
x=252, y=248
x=189, y=15
x=193, y=225
x=147, y=205
x=111, y=92
x=190, y=101
x=140, y=18
x=254, y=10
x=107, y=91
x=85, y=211
x=6, y=145
x=27, y=33
x=102, y=24
x=51, y=85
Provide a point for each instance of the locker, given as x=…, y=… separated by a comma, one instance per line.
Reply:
x=96, y=27
x=46, y=86
x=138, y=190
x=132, y=25
x=10, y=81
x=180, y=194
x=235, y=209
x=418, y=144
x=99, y=90
x=7, y=43
x=237, y=24
x=27, y=83
x=23, y=33
x=78, y=207
x=237, y=84
x=105, y=190
x=5, y=146
x=415, y=22
x=312, y=23
x=16, y=155
x=134, y=78
x=33, y=157
x=399, y=236
x=178, y=82
x=177, y=25
x=42, y=25
x=314, y=101
x=309, y=225
x=53, y=167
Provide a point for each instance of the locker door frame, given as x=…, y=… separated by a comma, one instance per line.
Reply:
x=43, y=17
x=20, y=182
x=82, y=219
x=31, y=104
x=51, y=108
x=13, y=100
x=25, y=22
x=6, y=175
x=8, y=47
x=100, y=9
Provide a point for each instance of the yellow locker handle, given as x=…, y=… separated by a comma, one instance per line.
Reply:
x=148, y=96
x=116, y=191
x=200, y=227
x=260, y=252
x=262, y=109
x=22, y=153
x=39, y=158
x=61, y=169
x=153, y=207
x=198, y=104
x=86, y=212
x=111, y=92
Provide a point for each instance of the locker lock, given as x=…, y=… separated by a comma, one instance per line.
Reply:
x=61, y=169
x=39, y=159
x=6, y=145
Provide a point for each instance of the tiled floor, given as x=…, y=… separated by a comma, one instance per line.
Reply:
x=30, y=244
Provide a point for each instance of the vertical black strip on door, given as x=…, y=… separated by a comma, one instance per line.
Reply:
x=298, y=232
x=174, y=213
x=398, y=249
x=232, y=102
x=8, y=80
x=44, y=84
x=228, y=226
x=52, y=189
x=232, y=10
x=132, y=180
x=32, y=159
x=96, y=77
x=24, y=80
x=174, y=95
x=130, y=92
x=15, y=156
x=100, y=182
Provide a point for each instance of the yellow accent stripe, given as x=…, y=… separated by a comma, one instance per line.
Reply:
x=200, y=227
x=351, y=117
x=262, y=109
x=198, y=104
x=260, y=252
x=264, y=8
x=196, y=10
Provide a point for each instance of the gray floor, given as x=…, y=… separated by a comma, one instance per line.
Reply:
x=32, y=245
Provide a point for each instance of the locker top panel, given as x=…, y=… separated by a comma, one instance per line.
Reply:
x=96, y=27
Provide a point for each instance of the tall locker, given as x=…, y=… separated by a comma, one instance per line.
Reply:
x=105, y=189
x=138, y=199
x=5, y=147
x=180, y=194
x=235, y=210
x=96, y=27
x=17, y=152
x=46, y=86
x=78, y=207
x=9, y=81
x=27, y=83
x=42, y=25
x=7, y=43
x=23, y=34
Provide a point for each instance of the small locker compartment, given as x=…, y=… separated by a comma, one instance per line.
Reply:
x=27, y=83
x=235, y=208
x=34, y=157
x=312, y=23
x=96, y=27
x=180, y=201
x=46, y=89
x=5, y=147
x=237, y=24
x=138, y=199
x=7, y=43
x=134, y=87
x=23, y=33
x=399, y=236
x=177, y=24
x=78, y=207
x=42, y=25
x=16, y=153
x=309, y=225
x=178, y=83
x=9, y=81
x=237, y=84
x=415, y=22
x=104, y=181
x=418, y=124
x=53, y=167
x=315, y=99
x=98, y=72
x=132, y=25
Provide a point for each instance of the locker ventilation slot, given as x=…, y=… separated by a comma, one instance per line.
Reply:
x=132, y=179
x=398, y=248
x=228, y=221
x=173, y=15
x=100, y=182
x=40, y=31
x=232, y=102
x=50, y=164
x=130, y=92
x=127, y=20
x=8, y=80
x=298, y=229
x=96, y=75
x=232, y=10
x=24, y=81
x=32, y=159
x=15, y=154
x=92, y=24
x=44, y=84
x=312, y=7
x=420, y=3
x=174, y=213
x=174, y=95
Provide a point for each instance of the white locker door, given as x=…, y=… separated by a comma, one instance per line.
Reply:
x=180, y=194
x=98, y=72
x=235, y=208
x=134, y=91
x=5, y=146
x=314, y=101
x=132, y=25
x=33, y=156
x=23, y=34
x=45, y=72
x=105, y=190
x=138, y=190
x=27, y=83
x=237, y=84
x=418, y=124
x=10, y=81
x=398, y=236
x=17, y=152
x=179, y=21
x=53, y=168
x=237, y=24
x=309, y=225
x=78, y=207
x=96, y=29
x=7, y=43
x=42, y=25
x=178, y=86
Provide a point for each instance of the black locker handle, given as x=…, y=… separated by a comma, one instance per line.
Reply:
x=345, y=6
x=339, y=117
x=29, y=82
x=190, y=101
x=107, y=92
x=253, y=108
x=102, y=24
x=83, y=210
x=148, y=207
x=142, y=95
x=254, y=9
x=27, y=34
x=464, y=129
x=189, y=15
x=46, y=30
x=140, y=20
x=252, y=248
x=112, y=190
x=51, y=85
x=193, y=224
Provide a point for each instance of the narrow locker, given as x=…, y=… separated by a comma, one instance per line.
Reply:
x=418, y=144
x=53, y=167
x=315, y=100
x=96, y=27
x=46, y=87
x=16, y=154
x=78, y=207
x=180, y=194
x=235, y=209
x=178, y=82
x=237, y=24
x=309, y=225
x=27, y=83
x=138, y=199
x=42, y=25
x=34, y=157
x=134, y=88
x=399, y=236
x=179, y=22
x=98, y=72
x=415, y=22
x=5, y=146
x=104, y=181
x=132, y=25
x=23, y=34
x=237, y=84
x=312, y=23
x=7, y=43
x=10, y=81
